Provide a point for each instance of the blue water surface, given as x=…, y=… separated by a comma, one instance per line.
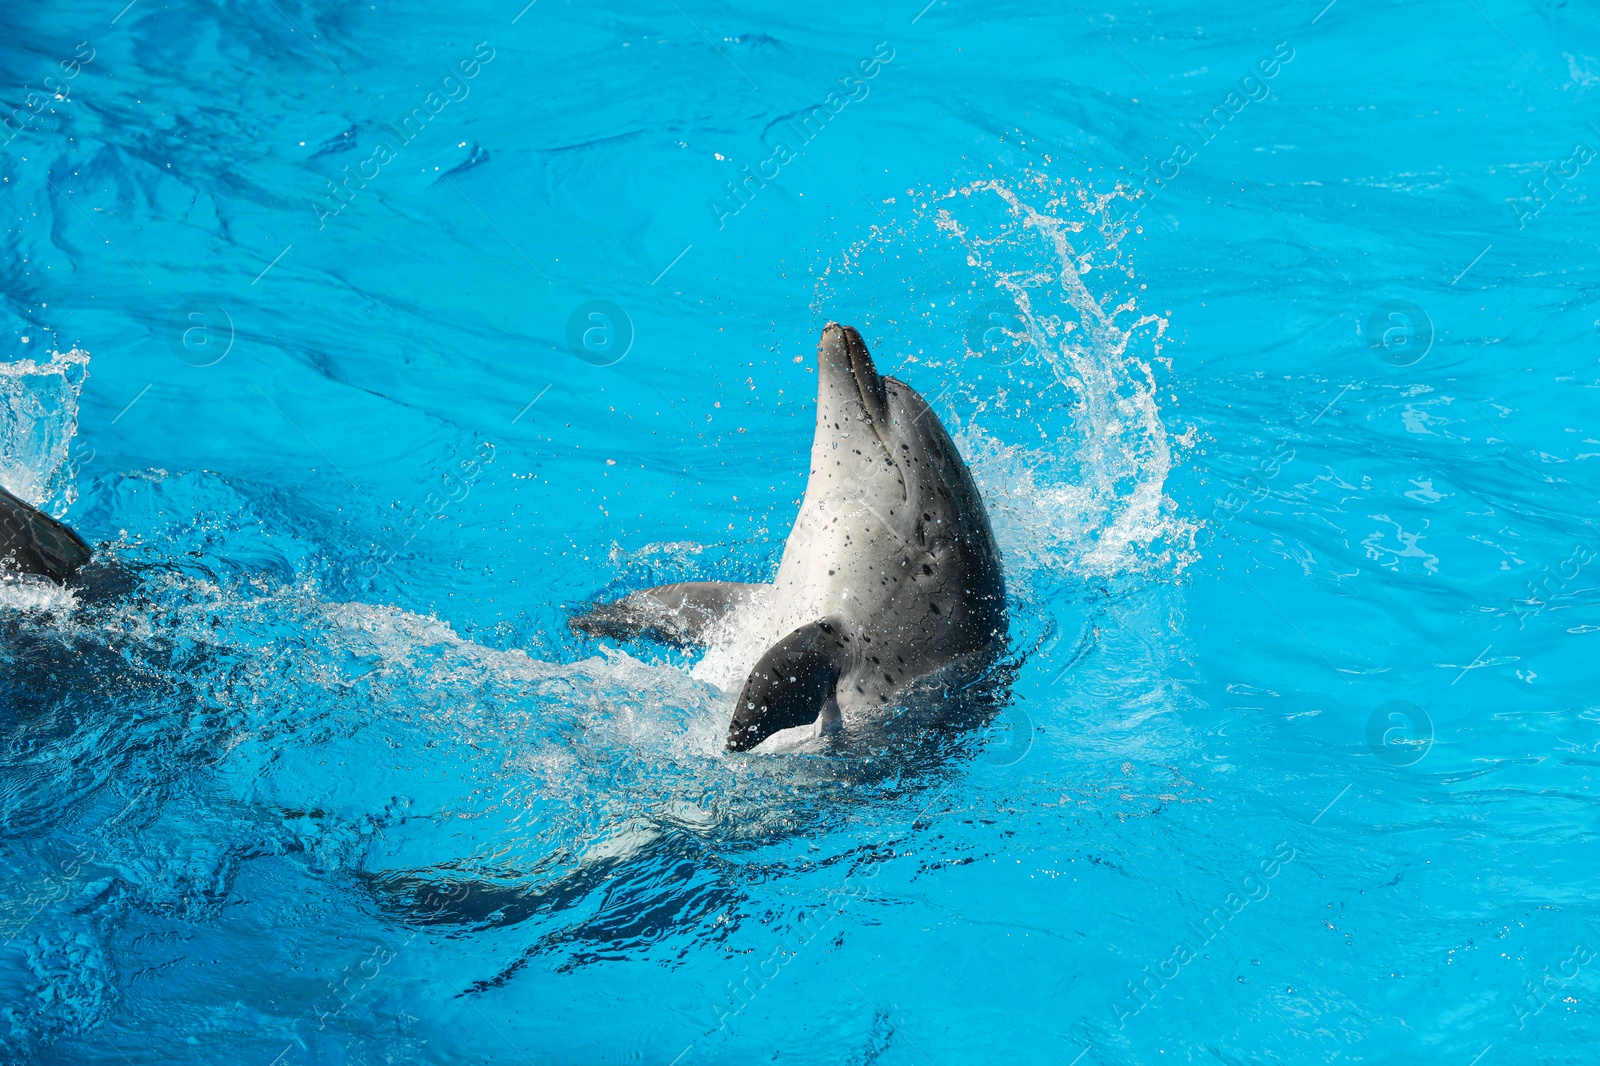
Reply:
x=371, y=339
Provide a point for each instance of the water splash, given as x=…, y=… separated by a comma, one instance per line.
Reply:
x=38, y=419
x=41, y=597
x=1036, y=353
x=1092, y=501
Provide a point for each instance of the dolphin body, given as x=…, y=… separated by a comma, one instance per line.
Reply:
x=34, y=546
x=891, y=574
x=31, y=542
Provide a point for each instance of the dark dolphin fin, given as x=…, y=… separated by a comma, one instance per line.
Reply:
x=673, y=614
x=34, y=543
x=791, y=684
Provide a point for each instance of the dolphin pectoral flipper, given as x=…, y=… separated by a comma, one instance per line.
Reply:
x=34, y=543
x=791, y=685
x=683, y=613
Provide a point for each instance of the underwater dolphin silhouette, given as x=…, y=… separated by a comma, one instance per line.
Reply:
x=890, y=574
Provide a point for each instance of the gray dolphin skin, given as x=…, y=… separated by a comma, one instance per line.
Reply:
x=891, y=573
x=31, y=542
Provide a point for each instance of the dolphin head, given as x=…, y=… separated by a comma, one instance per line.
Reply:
x=854, y=450
x=851, y=396
x=884, y=466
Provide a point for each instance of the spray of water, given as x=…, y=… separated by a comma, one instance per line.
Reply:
x=38, y=419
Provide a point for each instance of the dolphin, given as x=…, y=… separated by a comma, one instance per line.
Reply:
x=890, y=576
x=34, y=547
x=31, y=542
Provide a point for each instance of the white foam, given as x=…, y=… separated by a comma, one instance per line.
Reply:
x=735, y=645
x=36, y=596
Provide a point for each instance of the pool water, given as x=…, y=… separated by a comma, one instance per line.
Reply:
x=370, y=341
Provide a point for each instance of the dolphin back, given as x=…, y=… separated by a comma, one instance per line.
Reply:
x=34, y=543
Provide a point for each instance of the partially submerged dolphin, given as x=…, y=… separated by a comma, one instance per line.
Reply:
x=890, y=575
x=36, y=547
x=33, y=543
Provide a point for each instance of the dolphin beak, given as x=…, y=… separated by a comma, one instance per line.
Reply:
x=841, y=352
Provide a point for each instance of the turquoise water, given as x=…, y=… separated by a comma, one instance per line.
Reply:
x=1269, y=337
